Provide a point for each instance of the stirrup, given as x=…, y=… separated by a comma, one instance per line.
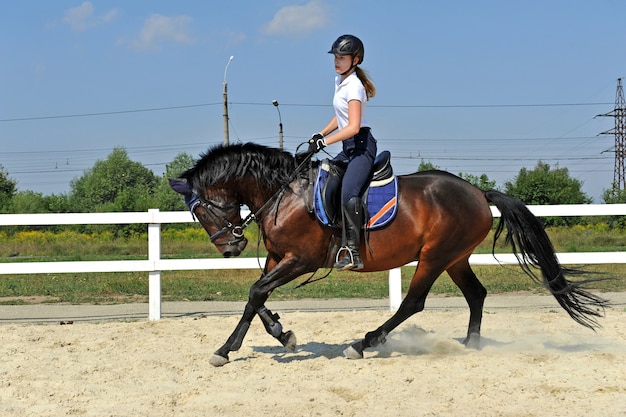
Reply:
x=348, y=261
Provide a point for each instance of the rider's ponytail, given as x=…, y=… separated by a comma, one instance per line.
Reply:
x=370, y=90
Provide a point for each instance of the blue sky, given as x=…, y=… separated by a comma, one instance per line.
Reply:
x=471, y=86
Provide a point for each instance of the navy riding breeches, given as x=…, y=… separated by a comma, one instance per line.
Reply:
x=359, y=153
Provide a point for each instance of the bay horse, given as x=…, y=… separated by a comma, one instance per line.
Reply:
x=441, y=219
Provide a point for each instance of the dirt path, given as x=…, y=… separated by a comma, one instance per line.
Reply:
x=534, y=361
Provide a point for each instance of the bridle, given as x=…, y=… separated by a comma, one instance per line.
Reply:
x=237, y=231
x=218, y=213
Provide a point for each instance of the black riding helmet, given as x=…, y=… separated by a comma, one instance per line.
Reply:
x=348, y=45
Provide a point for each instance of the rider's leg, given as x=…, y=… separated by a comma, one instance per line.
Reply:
x=352, y=222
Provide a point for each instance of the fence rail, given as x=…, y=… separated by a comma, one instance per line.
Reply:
x=154, y=264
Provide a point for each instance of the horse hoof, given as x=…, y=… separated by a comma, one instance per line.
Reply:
x=218, y=361
x=288, y=340
x=473, y=341
x=352, y=353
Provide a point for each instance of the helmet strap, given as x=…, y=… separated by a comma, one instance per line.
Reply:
x=352, y=66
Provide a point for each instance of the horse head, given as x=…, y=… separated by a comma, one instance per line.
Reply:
x=219, y=214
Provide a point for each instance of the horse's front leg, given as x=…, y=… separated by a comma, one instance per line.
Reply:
x=275, y=275
x=233, y=343
x=272, y=326
x=286, y=270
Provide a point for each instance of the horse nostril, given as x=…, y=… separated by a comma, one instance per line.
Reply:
x=227, y=254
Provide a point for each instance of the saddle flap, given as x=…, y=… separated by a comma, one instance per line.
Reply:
x=327, y=191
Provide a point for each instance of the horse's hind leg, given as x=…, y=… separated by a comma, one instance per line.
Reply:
x=422, y=281
x=475, y=294
x=274, y=328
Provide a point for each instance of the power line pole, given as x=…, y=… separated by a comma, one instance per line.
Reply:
x=225, y=96
x=280, y=125
x=619, y=114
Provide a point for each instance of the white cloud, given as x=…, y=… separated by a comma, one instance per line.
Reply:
x=81, y=18
x=110, y=16
x=234, y=38
x=298, y=20
x=158, y=29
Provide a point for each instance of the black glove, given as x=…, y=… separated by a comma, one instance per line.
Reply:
x=316, y=143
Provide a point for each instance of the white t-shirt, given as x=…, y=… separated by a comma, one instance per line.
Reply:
x=350, y=89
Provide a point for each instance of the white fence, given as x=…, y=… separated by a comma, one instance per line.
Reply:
x=154, y=264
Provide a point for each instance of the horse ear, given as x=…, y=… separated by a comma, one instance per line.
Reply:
x=180, y=186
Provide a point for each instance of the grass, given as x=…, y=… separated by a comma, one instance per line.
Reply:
x=233, y=285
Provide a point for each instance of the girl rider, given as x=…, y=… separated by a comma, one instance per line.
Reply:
x=353, y=89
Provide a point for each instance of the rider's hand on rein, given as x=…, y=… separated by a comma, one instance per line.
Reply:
x=317, y=143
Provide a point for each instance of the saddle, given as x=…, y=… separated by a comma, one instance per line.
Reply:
x=380, y=200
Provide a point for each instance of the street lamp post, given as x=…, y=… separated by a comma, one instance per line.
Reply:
x=280, y=125
x=225, y=95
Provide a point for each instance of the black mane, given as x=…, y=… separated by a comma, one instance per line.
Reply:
x=270, y=167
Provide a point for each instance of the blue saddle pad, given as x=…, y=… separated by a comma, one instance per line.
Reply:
x=381, y=200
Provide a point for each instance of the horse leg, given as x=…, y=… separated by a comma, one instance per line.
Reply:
x=275, y=275
x=274, y=328
x=423, y=279
x=220, y=357
x=475, y=294
x=286, y=270
x=235, y=340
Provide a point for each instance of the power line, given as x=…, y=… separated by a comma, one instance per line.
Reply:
x=108, y=113
x=391, y=106
x=453, y=158
x=65, y=151
x=447, y=106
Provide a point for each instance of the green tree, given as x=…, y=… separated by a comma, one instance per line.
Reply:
x=483, y=182
x=166, y=198
x=615, y=196
x=113, y=184
x=57, y=203
x=545, y=186
x=8, y=188
x=28, y=202
x=426, y=166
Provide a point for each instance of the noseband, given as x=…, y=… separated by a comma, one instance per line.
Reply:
x=235, y=230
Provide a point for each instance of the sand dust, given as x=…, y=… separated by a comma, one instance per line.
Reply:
x=533, y=362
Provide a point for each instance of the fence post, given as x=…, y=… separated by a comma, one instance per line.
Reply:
x=395, y=288
x=154, y=275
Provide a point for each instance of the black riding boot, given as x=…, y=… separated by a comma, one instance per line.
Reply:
x=352, y=221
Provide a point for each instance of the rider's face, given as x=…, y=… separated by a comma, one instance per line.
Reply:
x=343, y=63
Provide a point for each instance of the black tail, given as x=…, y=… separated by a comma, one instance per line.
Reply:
x=533, y=250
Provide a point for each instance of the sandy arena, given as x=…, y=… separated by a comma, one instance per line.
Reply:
x=534, y=361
